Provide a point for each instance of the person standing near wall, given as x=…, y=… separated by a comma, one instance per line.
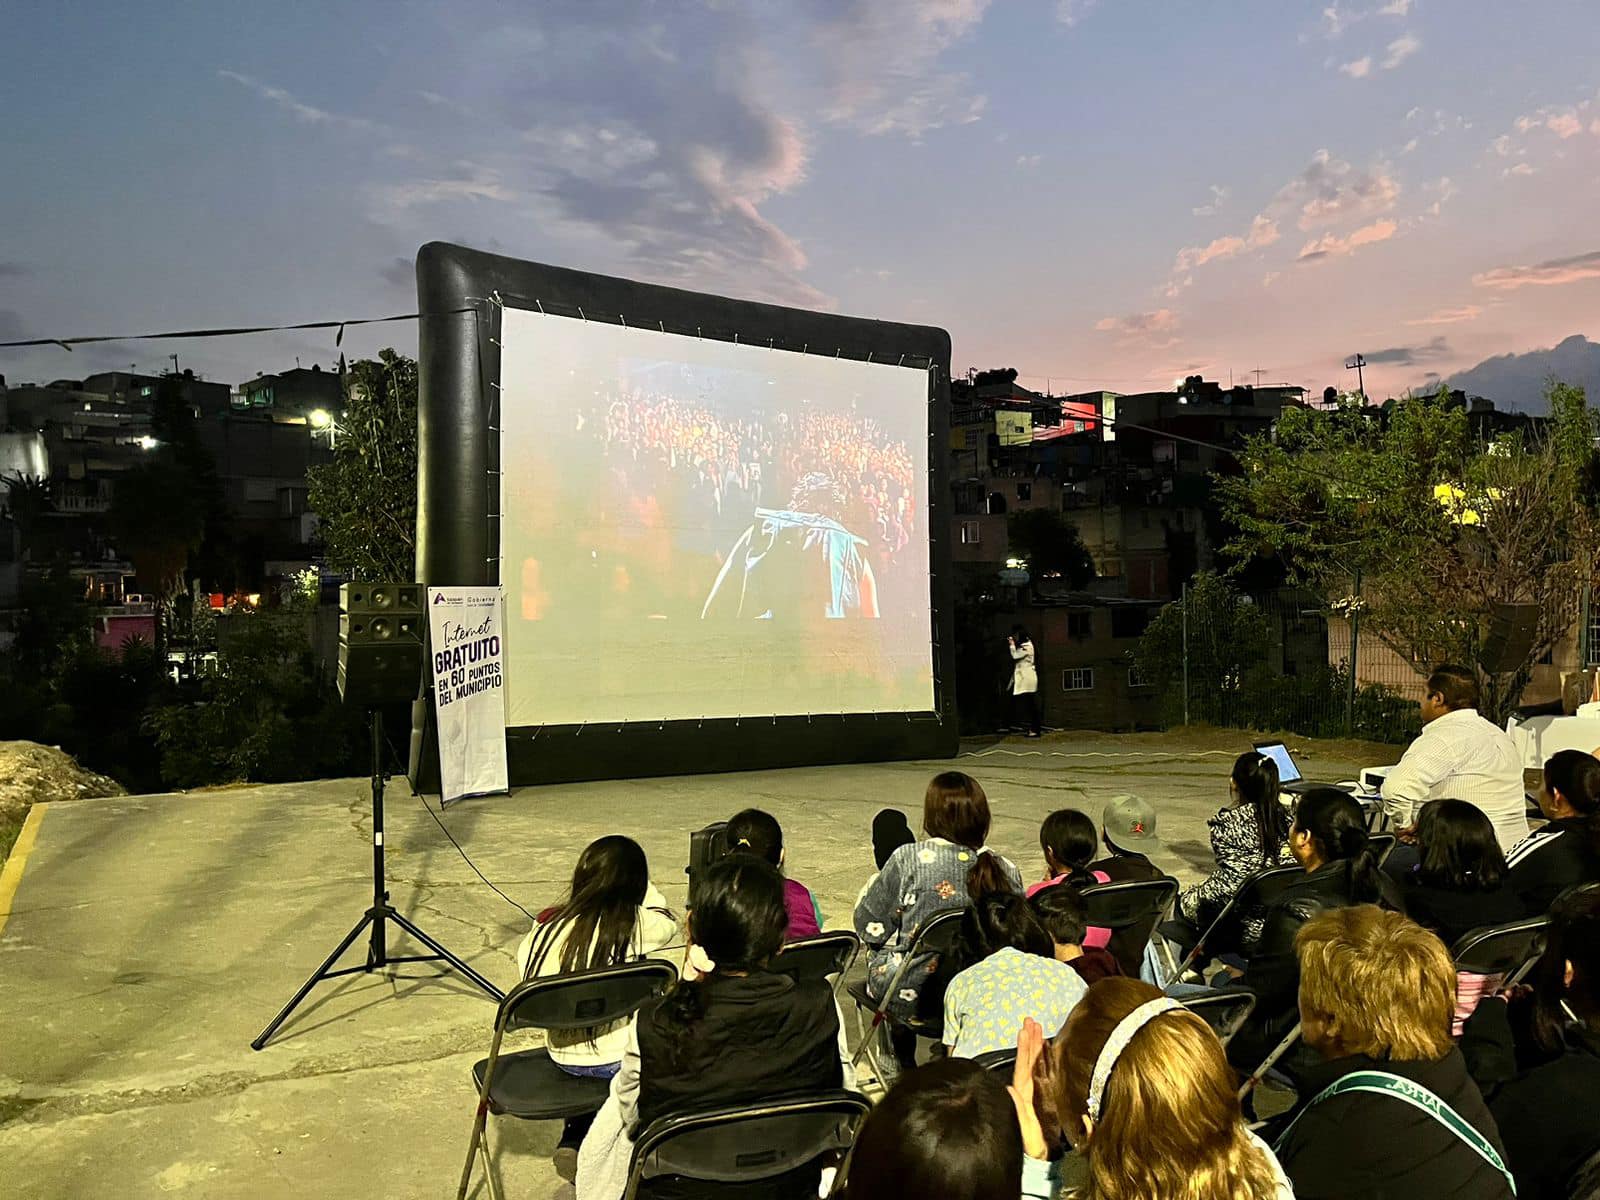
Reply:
x=1024, y=681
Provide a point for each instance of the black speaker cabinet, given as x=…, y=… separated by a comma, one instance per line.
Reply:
x=380, y=643
x=1509, y=637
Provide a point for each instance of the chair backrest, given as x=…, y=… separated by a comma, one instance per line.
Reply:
x=938, y=934
x=1000, y=1061
x=1129, y=904
x=1500, y=949
x=1225, y=1012
x=706, y=846
x=818, y=956
x=1383, y=845
x=585, y=998
x=1131, y=911
x=748, y=1142
x=1262, y=888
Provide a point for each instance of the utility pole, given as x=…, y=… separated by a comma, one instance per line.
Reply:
x=1258, y=373
x=1355, y=365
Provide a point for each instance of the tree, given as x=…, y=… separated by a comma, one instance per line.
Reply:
x=158, y=519
x=1439, y=526
x=1224, y=639
x=1049, y=544
x=366, y=498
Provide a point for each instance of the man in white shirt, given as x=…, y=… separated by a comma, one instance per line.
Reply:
x=1458, y=756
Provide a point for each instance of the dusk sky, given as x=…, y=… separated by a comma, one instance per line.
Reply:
x=1097, y=192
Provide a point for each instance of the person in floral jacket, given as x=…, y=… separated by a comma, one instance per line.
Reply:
x=920, y=879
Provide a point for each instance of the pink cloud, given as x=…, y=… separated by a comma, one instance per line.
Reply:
x=1331, y=245
x=1449, y=316
x=1263, y=232
x=1554, y=273
x=1359, y=69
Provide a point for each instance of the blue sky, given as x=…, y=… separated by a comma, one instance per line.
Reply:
x=1098, y=192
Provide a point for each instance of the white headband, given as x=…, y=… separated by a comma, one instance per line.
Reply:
x=1118, y=1042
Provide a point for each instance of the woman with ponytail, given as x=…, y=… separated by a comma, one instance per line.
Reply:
x=1329, y=840
x=1252, y=832
x=730, y=1032
x=1141, y=1088
x=1566, y=851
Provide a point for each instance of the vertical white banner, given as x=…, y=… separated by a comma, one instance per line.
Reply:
x=468, y=690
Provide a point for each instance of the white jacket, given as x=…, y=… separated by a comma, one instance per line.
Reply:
x=1024, y=678
x=653, y=928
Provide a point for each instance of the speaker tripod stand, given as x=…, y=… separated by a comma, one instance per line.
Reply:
x=376, y=918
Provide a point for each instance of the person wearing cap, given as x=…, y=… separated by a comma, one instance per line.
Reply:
x=1128, y=829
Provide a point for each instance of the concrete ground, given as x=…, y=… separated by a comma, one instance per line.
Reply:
x=152, y=937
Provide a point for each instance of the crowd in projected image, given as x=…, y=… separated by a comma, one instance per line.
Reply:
x=697, y=528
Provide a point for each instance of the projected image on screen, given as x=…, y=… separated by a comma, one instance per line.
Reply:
x=696, y=528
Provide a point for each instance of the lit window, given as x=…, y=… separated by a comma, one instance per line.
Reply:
x=969, y=533
x=1077, y=679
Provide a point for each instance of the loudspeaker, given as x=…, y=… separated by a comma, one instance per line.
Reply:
x=1510, y=636
x=380, y=643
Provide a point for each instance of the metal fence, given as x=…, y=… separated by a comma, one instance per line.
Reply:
x=1281, y=661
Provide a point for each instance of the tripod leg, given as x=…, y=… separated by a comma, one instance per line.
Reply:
x=316, y=977
x=406, y=924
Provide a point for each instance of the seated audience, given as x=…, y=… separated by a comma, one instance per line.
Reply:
x=1536, y=1054
x=1128, y=829
x=1062, y=912
x=1390, y=1110
x=755, y=832
x=739, y=1033
x=1566, y=851
x=946, y=1130
x=1019, y=977
x=1458, y=754
x=1069, y=841
x=1141, y=1088
x=1250, y=833
x=1458, y=884
x=921, y=880
x=612, y=914
x=1329, y=840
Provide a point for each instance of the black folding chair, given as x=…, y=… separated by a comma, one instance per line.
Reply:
x=1508, y=950
x=1270, y=1061
x=936, y=936
x=1131, y=911
x=819, y=956
x=1225, y=1012
x=1000, y=1061
x=748, y=1143
x=1258, y=891
x=1383, y=845
x=528, y=1084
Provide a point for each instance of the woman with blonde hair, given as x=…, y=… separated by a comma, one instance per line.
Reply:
x=1141, y=1088
x=1390, y=1110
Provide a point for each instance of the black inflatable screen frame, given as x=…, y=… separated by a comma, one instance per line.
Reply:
x=460, y=295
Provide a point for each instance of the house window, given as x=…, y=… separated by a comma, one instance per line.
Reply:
x=1079, y=624
x=1077, y=679
x=969, y=533
x=1136, y=680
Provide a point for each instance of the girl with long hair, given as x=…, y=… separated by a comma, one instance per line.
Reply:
x=1247, y=834
x=1141, y=1088
x=735, y=1033
x=1566, y=851
x=612, y=914
x=1459, y=881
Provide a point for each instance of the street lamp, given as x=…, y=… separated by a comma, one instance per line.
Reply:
x=321, y=421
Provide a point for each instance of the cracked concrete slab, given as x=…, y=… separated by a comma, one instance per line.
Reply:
x=153, y=936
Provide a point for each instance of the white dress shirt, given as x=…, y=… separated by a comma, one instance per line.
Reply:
x=1461, y=756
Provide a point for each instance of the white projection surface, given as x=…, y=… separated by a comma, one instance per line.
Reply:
x=701, y=529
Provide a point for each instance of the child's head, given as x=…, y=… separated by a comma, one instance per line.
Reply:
x=948, y=1129
x=956, y=809
x=608, y=886
x=1003, y=918
x=755, y=832
x=739, y=916
x=1068, y=840
x=1151, y=1102
x=1061, y=911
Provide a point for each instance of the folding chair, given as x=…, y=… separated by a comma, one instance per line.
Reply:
x=999, y=1061
x=819, y=956
x=1270, y=1061
x=1225, y=1012
x=1258, y=891
x=937, y=935
x=1383, y=845
x=528, y=1084
x=747, y=1143
x=1131, y=911
x=1508, y=950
